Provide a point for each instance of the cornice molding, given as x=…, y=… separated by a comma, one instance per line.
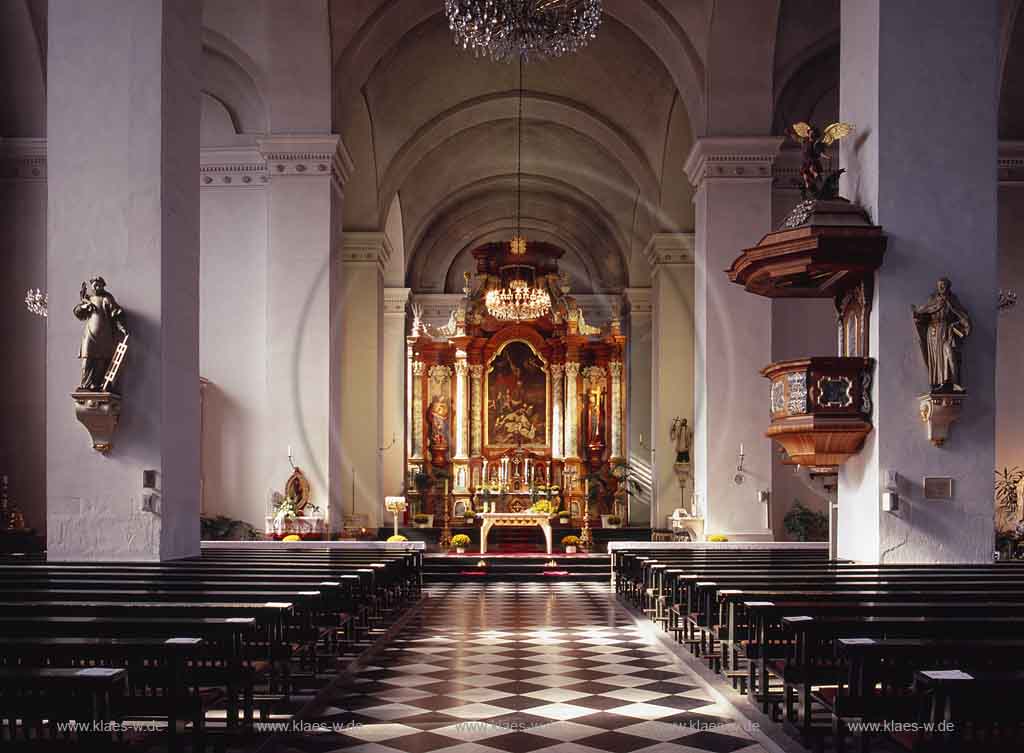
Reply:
x=23, y=160
x=396, y=300
x=670, y=248
x=740, y=158
x=1011, y=163
x=639, y=300
x=232, y=167
x=307, y=156
x=366, y=248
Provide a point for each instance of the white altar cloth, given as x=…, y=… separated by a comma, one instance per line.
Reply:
x=490, y=519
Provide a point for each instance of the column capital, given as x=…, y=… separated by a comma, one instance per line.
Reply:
x=395, y=301
x=366, y=248
x=739, y=158
x=639, y=300
x=665, y=249
x=1011, y=163
x=307, y=155
x=23, y=160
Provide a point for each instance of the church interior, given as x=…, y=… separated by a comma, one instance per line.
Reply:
x=482, y=376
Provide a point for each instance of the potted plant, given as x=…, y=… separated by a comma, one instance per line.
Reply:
x=460, y=541
x=570, y=543
x=718, y=537
x=611, y=521
x=563, y=517
x=396, y=539
x=422, y=520
x=805, y=524
x=470, y=514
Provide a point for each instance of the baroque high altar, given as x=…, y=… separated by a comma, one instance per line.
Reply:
x=503, y=412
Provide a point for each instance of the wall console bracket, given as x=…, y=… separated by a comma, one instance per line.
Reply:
x=99, y=413
x=938, y=412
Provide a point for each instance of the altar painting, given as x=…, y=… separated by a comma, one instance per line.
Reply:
x=517, y=398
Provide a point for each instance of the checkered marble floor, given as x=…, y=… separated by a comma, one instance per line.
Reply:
x=524, y=668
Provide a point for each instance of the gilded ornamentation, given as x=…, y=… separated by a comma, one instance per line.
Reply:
x=797, y=392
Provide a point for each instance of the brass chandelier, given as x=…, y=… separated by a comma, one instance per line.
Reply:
x=506, y=29
x=519, y=300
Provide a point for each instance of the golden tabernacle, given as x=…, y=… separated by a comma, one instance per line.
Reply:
x=518, y=399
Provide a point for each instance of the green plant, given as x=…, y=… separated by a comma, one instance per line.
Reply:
x=805, y=524
x=614, y=520
x=223, y=528
x=460, y=540
x=397, y=538
x=1007, y=488
x=570, y=540
x=618, y=480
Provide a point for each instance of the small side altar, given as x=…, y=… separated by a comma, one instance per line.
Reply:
x=491, y=519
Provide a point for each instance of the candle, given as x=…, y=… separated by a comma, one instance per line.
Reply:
x=741, y=448
x=446, y=488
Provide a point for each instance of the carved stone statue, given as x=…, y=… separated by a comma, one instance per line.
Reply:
x=104, y=329
x=680, y=433
x=942, y=323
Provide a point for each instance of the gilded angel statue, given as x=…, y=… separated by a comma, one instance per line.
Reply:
x=817, y=182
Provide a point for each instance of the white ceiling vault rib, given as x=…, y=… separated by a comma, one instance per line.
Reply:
x=443, y=134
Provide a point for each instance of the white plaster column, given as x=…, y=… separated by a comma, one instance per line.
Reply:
x=476, y=397
x=929, y=182
x=363, y=259
x=461, y=405
x=639, y=380
x=615, y=369
x=557, y=410
x=572, y=372
x=307, y=175
x=416, y=415
x=733, y=201
x=672, y=360
x=23, y=380
x=123, y=147
x=393, y=392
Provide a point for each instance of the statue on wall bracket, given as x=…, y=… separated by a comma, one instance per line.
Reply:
x=942, y=324
x=102, y=351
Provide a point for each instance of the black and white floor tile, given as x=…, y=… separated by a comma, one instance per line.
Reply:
x=525, y=668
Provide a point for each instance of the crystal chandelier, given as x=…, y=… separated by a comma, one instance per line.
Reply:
x=507, y=29
x=519, y=301
x=37, y=302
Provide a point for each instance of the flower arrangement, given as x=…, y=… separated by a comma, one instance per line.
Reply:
x=421, y=519
x=718, y=537
x=397, y=538
x=563, y=516
x=460, y=541
x=292, y=537
x=543, y=506
x=614, y=520
x=570, y=540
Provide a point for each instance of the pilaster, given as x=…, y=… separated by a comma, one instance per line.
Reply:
x=363, y=356
x=395, y=387
x=639, y=382
x=733, y=200
x=672, y=360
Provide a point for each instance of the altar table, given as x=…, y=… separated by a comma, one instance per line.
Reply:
x=490, y=519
